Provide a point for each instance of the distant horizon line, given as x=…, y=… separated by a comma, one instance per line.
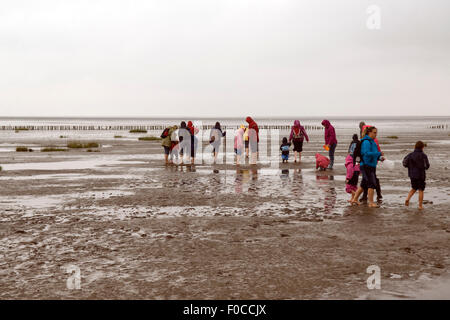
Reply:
x=225, y=118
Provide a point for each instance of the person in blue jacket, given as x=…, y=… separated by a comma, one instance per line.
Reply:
x=368, y=165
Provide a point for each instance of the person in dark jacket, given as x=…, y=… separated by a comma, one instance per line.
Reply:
x=215, y=139
x=330, y=141
x=417, y=163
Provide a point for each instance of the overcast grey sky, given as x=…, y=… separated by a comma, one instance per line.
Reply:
x=223, y=58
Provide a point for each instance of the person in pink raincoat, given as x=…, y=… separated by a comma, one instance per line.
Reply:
x=239, y=144
x=330, y=141
x=297, y=136
x=351, y=179
x=322, y=162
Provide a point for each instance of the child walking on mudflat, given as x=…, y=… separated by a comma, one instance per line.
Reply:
x=417, y=163
x=351, y=179
x=284, y=148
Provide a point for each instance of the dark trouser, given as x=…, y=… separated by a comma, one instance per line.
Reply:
x=378, y=189
x=331, y=154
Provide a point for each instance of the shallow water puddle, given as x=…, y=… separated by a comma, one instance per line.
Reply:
x=67, y=165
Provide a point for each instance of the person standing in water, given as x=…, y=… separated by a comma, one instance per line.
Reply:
x=167, y=143
x=194, y=141
x=215, y=139
x=184, y=136
x=239, y=144
x=253, y=137
x=378, y=189
x=297, y=136
x=330, y=141
x=417, y=163
x=369, y=160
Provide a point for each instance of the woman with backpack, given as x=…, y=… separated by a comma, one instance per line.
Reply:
x=215, y=139
x=369, y=156
x=167, y=142
x=297, y=136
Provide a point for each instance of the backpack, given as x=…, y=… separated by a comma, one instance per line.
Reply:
x=174, y=136
x=357, y=153
x=165, y=133
x=357, y=157
x=298, y=135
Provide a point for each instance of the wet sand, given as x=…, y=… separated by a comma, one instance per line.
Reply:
x=140, y=230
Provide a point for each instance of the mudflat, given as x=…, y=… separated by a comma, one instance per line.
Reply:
x=138, y=229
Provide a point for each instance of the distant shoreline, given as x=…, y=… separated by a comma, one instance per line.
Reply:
x=230, y=118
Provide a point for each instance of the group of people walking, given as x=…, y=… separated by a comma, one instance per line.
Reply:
x=181, y=142
x=364, y=154
x=363, y=157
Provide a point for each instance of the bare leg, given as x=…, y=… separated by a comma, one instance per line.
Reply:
x=420, y=199
x=370, y=198
x=351, y=198
x=166, y=157
x=295, y=156
x=410, y=194
x=299, y=157
x=356, y=196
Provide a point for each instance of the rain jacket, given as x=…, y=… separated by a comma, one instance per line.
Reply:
x=330, y=134
x=252, y=125
x=239, y=139
x=321, y=161
x=417, y=163
x=351, y=169
x=298, y=128
x=369, y=152
x=167, y=142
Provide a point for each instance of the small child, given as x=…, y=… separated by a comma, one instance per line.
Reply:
x=351, y=179
x=322, y=162
x=417, y=163
x=353, y=144
x=285, y=150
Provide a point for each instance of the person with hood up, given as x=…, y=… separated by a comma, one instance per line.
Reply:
x=194, y=140
x=253, y=137
x=322, y=162
x=369, y=160
x=215, y=139
x=297, y=136
x=239, y=144
x=330, y=141
x=351, y=179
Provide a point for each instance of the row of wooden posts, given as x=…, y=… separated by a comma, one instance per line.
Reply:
x=130, y=127
x=439, y=126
